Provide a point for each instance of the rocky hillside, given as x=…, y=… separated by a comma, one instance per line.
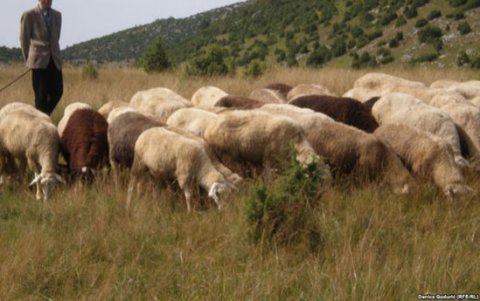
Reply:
x=356, y=33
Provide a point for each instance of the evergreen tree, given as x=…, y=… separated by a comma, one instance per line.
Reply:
x=154, y=59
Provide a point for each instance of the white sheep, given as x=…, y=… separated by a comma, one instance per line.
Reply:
x=362, y=94
x=193, y=120
x=107, y=107
x=207, y=96
x=158, y=102
x=166, y=154
x=426, y=155
x=259, y=138
x=267, y=96
x=33, y=141
x=406, y=109
x=308, y=89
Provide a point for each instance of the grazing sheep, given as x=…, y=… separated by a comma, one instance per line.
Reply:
x=193, y=120
x=268, y=96
x=405, y=109
x=345, y=110
x=259, y=139
x=281, y=88
x=238, y=102
x=308, y=89
x=16, y=106
x=158, y=102
x=385, y=83
x=468, y=89
x=111, y=105
x=362, y=94
x=119, y=111
x=84, y=142
x=67, y=112
x=34, y=141
x=475, y=101
x=346, y=149
x=158, y=93
x=207, y=96
x=123, y=132
x=427, y=156
x=165, y=154
x=443, y=84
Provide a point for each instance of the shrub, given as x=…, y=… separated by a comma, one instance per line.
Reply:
x=410, y=12
x=457, y=3
x=154, y=59
x=212, y=62
x=434, y=14
x=427, y=57
x=255, y=69
x=464, y=28
x=363, y=61
x=400, y=21
x=89, y=71
x=475, y=62
x=319, y=56
x=282, y=214
x=462, y=59
x=429, y=33
x=421, y=23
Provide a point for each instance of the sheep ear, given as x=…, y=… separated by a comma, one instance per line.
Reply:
x=35, y=180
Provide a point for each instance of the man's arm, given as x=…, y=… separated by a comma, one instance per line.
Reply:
x=25, y=34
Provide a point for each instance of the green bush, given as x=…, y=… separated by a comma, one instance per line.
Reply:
x=430, y=34
x=434, y=14
x=400, y=21
x=154, y=59
x=282, y=214
x=464, y=28
x=457, y=3
x=462, y=59
x=319, y=56
x=365, y=60
x=255, y=69
x=89, y=71
x=427, y=57
x=421, y=23
x=212, y=62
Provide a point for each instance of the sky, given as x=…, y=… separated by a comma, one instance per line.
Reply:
x=82, y=22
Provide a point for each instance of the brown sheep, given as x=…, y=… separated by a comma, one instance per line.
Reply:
x=238, y=102
x=123, y=132
x=280, y=87
x=341, y=109
x=84, y=142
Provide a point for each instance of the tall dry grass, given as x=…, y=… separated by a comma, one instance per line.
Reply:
x=83, y=245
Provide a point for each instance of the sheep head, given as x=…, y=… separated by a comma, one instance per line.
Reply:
x=452, y=190
x=219, y=192
x=47, y=182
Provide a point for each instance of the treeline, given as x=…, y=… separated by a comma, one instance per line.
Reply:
x=10, y=55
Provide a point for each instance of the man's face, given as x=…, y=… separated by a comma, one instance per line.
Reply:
x=45, y=3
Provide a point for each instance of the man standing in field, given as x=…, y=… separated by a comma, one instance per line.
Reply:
x=39, y=36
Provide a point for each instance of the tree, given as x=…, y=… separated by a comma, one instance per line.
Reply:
x=154, y=59
x=212, y=62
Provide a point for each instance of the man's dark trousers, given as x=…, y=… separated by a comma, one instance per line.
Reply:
x=48, y=87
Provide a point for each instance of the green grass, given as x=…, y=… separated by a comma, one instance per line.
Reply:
x=374, y=246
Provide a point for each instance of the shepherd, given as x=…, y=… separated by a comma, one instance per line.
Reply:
x=39, y=40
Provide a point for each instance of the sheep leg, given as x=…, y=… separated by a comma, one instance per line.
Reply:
x=188, y=197
x=116, y=173
x=131, y=189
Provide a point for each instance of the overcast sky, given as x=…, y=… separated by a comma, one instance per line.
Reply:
x=82, y=22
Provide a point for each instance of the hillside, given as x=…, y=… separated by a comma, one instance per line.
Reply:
x=341, y=33
x=128, y=45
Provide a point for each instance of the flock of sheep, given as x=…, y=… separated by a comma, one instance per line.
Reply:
x=384, y=129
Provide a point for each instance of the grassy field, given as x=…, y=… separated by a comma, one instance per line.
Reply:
x=83, y=245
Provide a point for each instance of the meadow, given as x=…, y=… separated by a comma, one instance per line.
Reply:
x=374, y=245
